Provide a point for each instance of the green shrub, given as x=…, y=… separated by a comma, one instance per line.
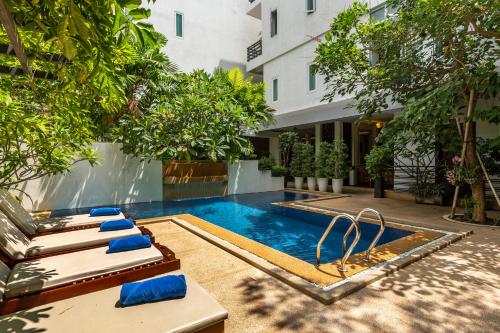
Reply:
x=324, y=165
x=309, y=160
x=278, y=171
x=377, y=161
x=425, y=190
x=266, y=163
x=287, y=140
x=301, y=161
x=341, y=164
x=468, y=204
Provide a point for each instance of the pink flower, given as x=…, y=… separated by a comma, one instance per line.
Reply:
x=450, y=177
x=456, y=159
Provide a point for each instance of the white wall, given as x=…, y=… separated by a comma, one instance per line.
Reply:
x=287, y=56
x=119, y=179
x=245, y=177
x=216, y=32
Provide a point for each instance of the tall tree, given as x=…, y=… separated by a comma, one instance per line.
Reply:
x=436, y=58
x=83, y=48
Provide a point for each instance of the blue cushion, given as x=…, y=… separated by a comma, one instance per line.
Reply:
x=104, y=211
x=128, y=244
x=120, y=224
x=157, y=289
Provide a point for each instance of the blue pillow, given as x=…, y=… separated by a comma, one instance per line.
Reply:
x=120, y=224
x=157, y=289
x=128, y=244
x=104, y=211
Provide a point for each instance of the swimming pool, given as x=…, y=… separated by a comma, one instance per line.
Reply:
x=292, y=231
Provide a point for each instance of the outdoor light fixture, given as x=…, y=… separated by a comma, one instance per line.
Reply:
x=378, y=124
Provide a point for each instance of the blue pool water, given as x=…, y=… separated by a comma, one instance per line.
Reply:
x=293, y=231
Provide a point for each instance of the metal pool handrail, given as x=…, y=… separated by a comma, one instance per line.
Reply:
x=379, y=233
x=354, y=224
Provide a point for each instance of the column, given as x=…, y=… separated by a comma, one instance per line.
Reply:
x=355, y=145
x=338, y=130
x=317, y=138
x=274, y=149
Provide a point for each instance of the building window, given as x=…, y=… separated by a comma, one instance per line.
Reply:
x=274, y=23
x=378, y=14
x=275, y=90
x=310, y=6
x=312, y=78
x=383, y=12
x=179, y=25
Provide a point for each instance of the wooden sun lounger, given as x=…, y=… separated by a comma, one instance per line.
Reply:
x=9, y=261
x=197, y=312
x=32, y=227
x=91, y=284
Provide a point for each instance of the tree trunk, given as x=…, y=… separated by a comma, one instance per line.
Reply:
x=477, y=188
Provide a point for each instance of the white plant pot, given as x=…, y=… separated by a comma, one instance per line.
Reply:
x=299, y=182
x=323, y=184
x=337, y=185
x=311, y=183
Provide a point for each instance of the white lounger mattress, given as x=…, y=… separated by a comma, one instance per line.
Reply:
x=75, y=239
x=36, y=275
x=96, y=312
x=58, y=223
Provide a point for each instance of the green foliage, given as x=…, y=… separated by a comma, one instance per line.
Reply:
x=426, y=190
x=34, y=144
x=287, y=140
x=324, y=163
x=278, y=171
x=468, y=203
x=340, y=159
x=301, y=164
x=201, y=116
x=49, y=124
x=84, y=28
x=377, y=161
x=147, y=79
x=427, y=57
x=489, y=149
x=433, y=57
x=266, y=163
x=309, y=163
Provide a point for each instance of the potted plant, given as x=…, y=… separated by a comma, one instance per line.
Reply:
x=468, y=204
x=265, y=163
x=298, y=167
x=428, y=193
x=278, y=171
x=324, y=166
x=340, y=167
x=309, y=167
x=376, y=162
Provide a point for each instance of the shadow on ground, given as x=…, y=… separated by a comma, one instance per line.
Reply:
x=455, y=289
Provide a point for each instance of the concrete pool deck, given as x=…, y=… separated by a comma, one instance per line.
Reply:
x=454, y=289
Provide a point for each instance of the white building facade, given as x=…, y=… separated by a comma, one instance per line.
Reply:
x=205, y=34
x=291, y=31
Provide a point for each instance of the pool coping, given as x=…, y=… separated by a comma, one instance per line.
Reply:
x=325, y=294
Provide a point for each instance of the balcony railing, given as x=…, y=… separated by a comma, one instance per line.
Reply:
x=254, y=50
